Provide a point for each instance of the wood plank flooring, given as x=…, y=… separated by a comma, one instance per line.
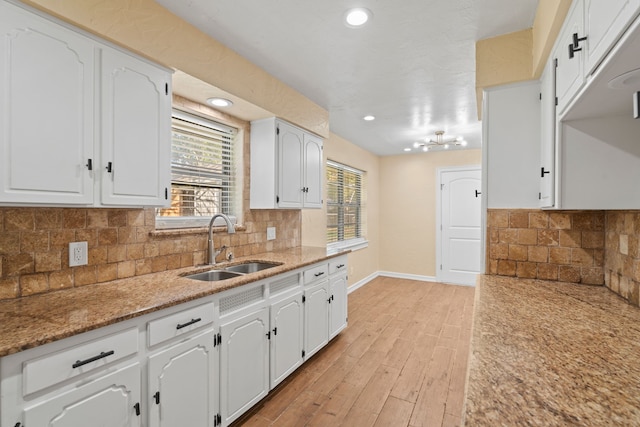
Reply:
x=401, y=362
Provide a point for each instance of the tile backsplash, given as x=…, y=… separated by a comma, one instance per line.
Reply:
x=34, y=245
x=622, y=254
x=566, y=246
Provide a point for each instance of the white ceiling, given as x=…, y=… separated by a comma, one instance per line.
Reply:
x=412, y=66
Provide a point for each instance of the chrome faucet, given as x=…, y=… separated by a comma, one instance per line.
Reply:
x=230, y=229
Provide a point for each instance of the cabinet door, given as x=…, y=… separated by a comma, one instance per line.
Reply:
x=337, y=304
x=316, y=317
x=244, y=363
x=569, y=75
x=287, y=322
x=114, y=399
x=547, y=135
x=183, y=384
x=136, y=114
x=290, y=146
x=46, y=112
x=605, y=21
x=313, y=162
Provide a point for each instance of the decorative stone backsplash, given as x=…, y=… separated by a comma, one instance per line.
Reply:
x=622, y=254
x=34, y=245
x=566, y=246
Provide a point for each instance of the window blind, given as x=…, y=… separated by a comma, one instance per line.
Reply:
x=344, y=202
x=202, y=168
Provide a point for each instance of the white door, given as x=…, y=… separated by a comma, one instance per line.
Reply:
x=338, y=304
x=316, y=317
x=287, y=320
x=460, y=215
x=290, y=146
x=313, y=161
x=136, y=131
x=46, y=111
x=548, y=135
x=182, y=384
x=114, y=400
x=244, y=363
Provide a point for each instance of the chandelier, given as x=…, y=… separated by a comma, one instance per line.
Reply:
x=440, y=142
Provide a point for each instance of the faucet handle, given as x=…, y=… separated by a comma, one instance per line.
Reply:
x=229, y=256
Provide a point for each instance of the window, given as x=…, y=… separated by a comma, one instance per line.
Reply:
x=344, y=207
x=202, y=172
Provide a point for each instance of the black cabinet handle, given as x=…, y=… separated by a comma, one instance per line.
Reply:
x=575, y=46
x=189, y=323
x=92, y=359
x=109, y=167
x=543, y=172
x=478, y=193
x=136, y=407
x=319, y=274
x=89, y=164
x=340, y=266
x=18, y=424
x=156, y=397
x=268, y=334
x=275, y=331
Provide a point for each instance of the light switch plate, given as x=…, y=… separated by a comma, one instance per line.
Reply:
x=78, y=254
x=271, y=233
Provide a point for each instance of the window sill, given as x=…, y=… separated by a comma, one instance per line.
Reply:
x=352, y=245
x=167, y=232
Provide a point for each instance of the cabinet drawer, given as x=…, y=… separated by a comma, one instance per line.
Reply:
x=316, y=273
x=56, y=367
x=338, y=265
x=179, y=323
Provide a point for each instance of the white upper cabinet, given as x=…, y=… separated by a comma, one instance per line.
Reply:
x=46, y=113
x=135, y=131
x=604, y=23
x=286, y=166
x=570, y=60
x=589, y=32
x=548, y=135
x=74, y=108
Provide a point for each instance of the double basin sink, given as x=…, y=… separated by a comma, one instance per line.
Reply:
x=232, y=271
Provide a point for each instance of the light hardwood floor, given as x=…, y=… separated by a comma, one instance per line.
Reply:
x=401, y=362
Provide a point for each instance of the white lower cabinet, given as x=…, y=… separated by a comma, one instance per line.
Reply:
x=112, y=400
x=244, y=363
x=316, y=317
x=287, y=337
x=183, y=384
x=337, y=304
x=201, y=364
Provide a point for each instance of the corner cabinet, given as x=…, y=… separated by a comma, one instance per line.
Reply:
x=286, y=166
x=82, y=122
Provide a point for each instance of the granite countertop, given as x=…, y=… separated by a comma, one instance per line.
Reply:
x=551, y=354
x=39, y=319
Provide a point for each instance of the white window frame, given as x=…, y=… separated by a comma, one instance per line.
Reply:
x=358, y=242
x=178, y=222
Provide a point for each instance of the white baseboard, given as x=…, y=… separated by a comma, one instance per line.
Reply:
x=395, y=275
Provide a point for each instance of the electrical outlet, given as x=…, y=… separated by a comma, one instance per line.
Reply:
x=271, y=233
x=78, y=254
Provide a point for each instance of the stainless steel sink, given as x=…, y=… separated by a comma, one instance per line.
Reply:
x=250, y=267
x=214, y=275
x=231, y=271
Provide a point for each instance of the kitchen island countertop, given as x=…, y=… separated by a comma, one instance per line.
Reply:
x=552, y=354
x=39, y=319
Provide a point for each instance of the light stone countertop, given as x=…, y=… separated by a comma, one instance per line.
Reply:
x=552, y=354
x=39, y=319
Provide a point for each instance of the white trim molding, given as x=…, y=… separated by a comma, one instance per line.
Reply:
x=395, y=275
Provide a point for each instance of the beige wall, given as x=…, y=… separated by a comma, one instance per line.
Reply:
x=408, y=208
x=546, y=26
x=145, y=27
x=362, y=262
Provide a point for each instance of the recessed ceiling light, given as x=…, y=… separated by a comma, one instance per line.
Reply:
x=369, y=118
x=357, y=17
x=407, y=149
x=219, y=102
